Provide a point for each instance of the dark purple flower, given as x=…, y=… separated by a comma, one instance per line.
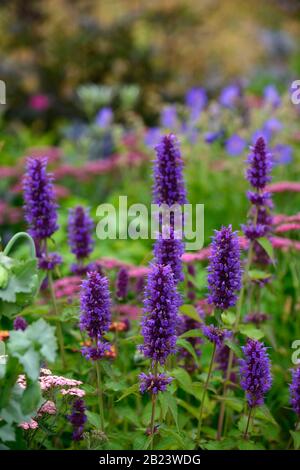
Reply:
x=260, y=165
x=95, y=305
x=254, y=231
x=168, y=251
x=235, y=145
x=122, y=284
x=159, y=322
x=260, y=199
x=191, y=294
x=80, y=227
x=94, y=353
x=48, y=262
x=255, y=372
x=154, y=383
x=295, y=390
x=214, y=334
x=40, y=206
x=256, y=317
x=77, y=418
x=169, y=187
x=20, y=324
x=224, y=278
x=81, y=270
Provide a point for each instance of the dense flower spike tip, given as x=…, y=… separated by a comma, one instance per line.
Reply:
x=260, y=165
x=154, y=383
x=95, y=305
x=255, y=372
x=40, y=206
x=77, y=418
x=80, y=227
x=122, y=284
x=295, y=391
x=160, y=314
x=224, y=278
x=48, y=262
x=169, y=187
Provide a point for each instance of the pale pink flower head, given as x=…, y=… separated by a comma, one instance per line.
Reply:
x=48, y=407
x=32, y=424
x=74, y=391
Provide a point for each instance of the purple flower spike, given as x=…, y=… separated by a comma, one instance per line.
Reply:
x=255, y=372
x=40, y=206
x=20, y=324
x=77, y=418
x=160, y=314
x=154, y=383
x=224, y=278
x=260, y=165
x=80, y=227
x=295, y=390
x=169, y=185
x=95, y=305
x=215, y=335
x=168, y=251
x=122, y=284
x=49, y=261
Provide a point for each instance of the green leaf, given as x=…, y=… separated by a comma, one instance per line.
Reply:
x=183, y=378
x=196, y=333
x=236, y=404
x=31, y=398
x=94, y=419
x=7, y=433
x=228, y=318
x=190, y=312
x=256, y=274
x=296, y=438
x=172, y=404
x=183, y=343
x=235, y=348
x=263, y=413
x=267, y=246
x=133, y=390
x=251, y=332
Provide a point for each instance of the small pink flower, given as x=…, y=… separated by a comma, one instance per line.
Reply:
x=39, y=102
x=76, y=392
x=287, y=227
x=48, y=407
x=284, y=186
x=32, y=424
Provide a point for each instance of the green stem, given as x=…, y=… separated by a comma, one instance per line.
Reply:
x=100, y=395
x=16, y=237
x=152, y=422
x=204, y=393
x=58, y=323
x=248, y=422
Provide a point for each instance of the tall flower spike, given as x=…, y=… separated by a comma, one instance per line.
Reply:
x=159, y=323
x=260, y=165
x=95, y=316
x=295, y=391
x=80, y=227
x=255, y=372
x=224, y=278
x=40, y=206
x=169, y=187
x=77, y=418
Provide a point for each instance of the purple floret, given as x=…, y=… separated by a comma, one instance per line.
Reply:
x=80, y=227
x=154, y=383
x=260, y=165
x=295, y=390
x=77, y=418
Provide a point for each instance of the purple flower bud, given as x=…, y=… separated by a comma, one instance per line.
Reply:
x=224, y=278
x=214, y=334
x=77, y=418
x=295, y=390
x=122, y=284
x=168, y=251
x=80, y=227
x=40, y=206
x=154, y=383
x=255, y=372
x=48, y=262
x=20, y=324
x=159, y=322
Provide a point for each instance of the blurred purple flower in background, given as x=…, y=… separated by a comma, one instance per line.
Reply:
x=104, y=118
x=211, y=137
x=230, y=96
x=272, y=126
x=271, y=96
x=235, y=145
x=39, y=102
x=152, y=137
x=168, y=117
x=282, y=154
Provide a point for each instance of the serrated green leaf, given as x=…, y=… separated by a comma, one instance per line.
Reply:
x=31, y=398
x=190, y=312
x=251, y=332
x=133, y=390
x=183, y=343
x=267, y=246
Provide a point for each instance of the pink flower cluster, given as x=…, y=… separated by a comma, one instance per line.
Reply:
x=67, y=287
x=284, y=186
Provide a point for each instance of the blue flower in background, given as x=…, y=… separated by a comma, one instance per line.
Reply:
x=196, y=98
x=272, y=126
x=104, y=118
x=283, y=154
x=229, y=96
x=168, y=117
x=152, y=137
x=235, y=145
x=271, y=96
